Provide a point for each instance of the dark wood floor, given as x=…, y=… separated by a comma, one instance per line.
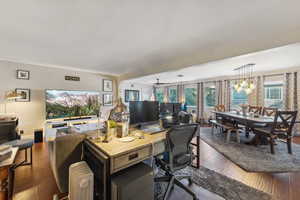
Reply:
x=37, y=182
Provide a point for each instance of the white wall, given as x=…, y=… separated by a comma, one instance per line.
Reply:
x=145, y=90
x=32, y=114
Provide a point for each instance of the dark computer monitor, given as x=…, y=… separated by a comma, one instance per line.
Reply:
x=143, y=111
x=166, y=108
x=176, y=108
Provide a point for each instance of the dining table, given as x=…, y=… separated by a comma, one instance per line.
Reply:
x=249, y=121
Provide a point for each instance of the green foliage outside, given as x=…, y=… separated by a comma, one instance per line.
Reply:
x=190, y=96
x=159, y=95
x=173, y=95
x=210, y=96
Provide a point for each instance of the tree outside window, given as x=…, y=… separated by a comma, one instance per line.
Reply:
x=238, y=98
x=190, y=95
x=210, y=96
x=273, y=95
x=172, y=95
x=159, y=95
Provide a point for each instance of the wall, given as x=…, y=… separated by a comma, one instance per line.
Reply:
x=146, y=91
x=32, y=114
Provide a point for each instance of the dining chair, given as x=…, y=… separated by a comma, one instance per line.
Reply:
x=267, y=111
x=282, y=127
x=220, y=108
x=255, y=109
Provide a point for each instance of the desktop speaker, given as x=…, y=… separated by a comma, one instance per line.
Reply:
x=38, y=135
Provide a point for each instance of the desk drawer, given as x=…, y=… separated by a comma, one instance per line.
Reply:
x=130, y=158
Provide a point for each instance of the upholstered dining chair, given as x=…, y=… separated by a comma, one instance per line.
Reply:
x=282, y=127
x=220, y=108
x=267, y=111
x=255, y=109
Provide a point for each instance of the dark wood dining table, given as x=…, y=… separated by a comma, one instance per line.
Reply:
x=249, y=122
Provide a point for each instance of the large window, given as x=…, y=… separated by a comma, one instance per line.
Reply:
x=210, y=96
x=172, y=92
x=238, y=98
x=190, y=96
x=159, y=94
x=273, y=95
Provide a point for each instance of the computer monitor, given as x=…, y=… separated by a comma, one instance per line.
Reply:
x=143, y=111
x=166, y=108
x=176, y=108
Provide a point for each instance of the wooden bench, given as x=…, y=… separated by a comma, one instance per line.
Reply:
x=229, y=129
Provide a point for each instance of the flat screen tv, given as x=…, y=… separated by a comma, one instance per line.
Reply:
x=68, y=103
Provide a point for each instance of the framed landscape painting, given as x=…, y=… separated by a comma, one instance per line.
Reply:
x=132, y=95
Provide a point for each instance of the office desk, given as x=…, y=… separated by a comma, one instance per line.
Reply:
x=105, y=159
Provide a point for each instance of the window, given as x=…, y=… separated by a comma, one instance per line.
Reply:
x=273, y=95
x=210, y=96
x=172, y=91
x=159, y=95
x=238, y=98
x=190, y=96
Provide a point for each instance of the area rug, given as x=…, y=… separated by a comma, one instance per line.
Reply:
x=254, y=158
x=214, y=182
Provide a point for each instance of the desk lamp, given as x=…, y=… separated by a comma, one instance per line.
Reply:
x=11, y=96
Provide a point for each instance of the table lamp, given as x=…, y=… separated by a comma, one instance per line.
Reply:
x=11, y=96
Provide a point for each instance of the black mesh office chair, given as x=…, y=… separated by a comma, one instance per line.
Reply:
x=180, y=156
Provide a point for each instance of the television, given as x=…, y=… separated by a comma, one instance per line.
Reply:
x=143, y=111
x=71, y=103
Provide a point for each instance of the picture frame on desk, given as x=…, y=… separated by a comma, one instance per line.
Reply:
x=25, y=93
x=107, y=99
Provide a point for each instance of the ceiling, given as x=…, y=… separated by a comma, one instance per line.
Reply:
x=140, y=37
x=267, y=60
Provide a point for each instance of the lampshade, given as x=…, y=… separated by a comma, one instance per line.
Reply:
x=11, y=95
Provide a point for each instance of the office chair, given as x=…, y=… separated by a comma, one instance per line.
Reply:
x=180, y=156
x=184, y=117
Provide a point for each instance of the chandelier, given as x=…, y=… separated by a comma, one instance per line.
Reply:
x=245, y=78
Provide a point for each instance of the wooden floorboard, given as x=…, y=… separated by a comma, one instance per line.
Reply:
x=37, y=182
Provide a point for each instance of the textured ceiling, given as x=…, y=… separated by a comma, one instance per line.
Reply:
x=267, y=60
x=139, y=37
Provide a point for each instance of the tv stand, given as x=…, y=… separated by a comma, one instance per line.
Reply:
x=77, y=118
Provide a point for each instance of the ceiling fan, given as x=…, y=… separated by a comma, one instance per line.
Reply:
x=159, y=83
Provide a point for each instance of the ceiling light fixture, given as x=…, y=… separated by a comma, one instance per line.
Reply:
x=245, y=80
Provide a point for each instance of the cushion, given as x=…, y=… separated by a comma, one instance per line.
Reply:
x=22, y=144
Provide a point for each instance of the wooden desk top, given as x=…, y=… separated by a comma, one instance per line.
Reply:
x=115, y=147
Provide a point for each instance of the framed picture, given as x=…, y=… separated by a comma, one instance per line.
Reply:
x=107, y=85
x=25, y=93
x=132, y=95
x=23, y=74
x=107, y=100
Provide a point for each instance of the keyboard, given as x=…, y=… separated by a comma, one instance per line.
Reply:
x=152, y=129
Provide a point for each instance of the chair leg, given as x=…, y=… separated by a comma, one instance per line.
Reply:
x=238, y=136
x=272, y=145
x=162, y=179
x=31, y=157
x=228, y=136
x=289, y=145
x=188, y=190
x=212, y=130
x=170, y=186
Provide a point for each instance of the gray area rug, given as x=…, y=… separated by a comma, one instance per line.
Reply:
x=214, y=182
x=254, y=158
